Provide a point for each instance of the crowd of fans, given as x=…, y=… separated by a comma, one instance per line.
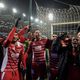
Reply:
x=37, y=57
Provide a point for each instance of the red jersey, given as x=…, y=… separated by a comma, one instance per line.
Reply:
x=37, y=48
x=12, y=52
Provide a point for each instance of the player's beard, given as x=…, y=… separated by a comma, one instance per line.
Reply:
x=37, y=38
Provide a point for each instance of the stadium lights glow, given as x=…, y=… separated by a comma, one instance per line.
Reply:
x=31, y=18
x=24, y=15
x=50, y=16
x=2, y=5
x=41, y=22
x=36, y=20
x=14, y=10
x=66, y=23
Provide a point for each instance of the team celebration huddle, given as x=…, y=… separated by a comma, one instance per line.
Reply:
x=39, y=39
x=36, y=57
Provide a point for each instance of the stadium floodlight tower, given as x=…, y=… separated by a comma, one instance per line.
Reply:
x=24, y=15
x=36, y=20
x=31, y=18
x=2, y=5
x=14, y=10
x=50, y=16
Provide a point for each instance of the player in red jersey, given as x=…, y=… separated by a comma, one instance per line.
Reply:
x=37, y=49
x=13, y=50
x=13, y=53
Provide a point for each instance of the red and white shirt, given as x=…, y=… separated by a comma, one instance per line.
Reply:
x=37, y=48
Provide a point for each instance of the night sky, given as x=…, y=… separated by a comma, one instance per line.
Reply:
x=23, y=5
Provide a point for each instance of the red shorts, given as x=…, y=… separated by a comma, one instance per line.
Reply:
x=10, y=75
